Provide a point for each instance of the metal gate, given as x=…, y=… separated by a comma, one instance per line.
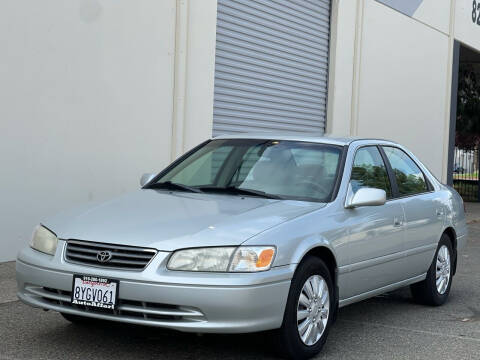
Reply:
x=466, y=173
x=271, y=66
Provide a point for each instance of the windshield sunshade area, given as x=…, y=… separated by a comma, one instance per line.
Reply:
x=266, y=168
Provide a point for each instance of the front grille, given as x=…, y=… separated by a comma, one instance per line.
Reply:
x=147, y=313
x=116, y=256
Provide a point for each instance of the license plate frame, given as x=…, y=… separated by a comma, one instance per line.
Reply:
x=101, y=288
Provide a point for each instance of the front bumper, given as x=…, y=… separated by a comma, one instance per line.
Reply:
x=192, y=302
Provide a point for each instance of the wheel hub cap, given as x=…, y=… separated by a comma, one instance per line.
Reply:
x=313, y=309
x=443, y=269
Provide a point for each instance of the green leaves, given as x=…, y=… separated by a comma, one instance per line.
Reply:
x=468, y=106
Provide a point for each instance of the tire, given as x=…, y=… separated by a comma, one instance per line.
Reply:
x=427, y=292
x=80, y=320
x=289, y=340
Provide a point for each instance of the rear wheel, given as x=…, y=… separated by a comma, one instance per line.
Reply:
x=309, y=311
x=435, y=288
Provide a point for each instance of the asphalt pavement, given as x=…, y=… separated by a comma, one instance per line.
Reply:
x=390, y=326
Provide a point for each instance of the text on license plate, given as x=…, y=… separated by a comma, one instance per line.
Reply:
x=94, y=291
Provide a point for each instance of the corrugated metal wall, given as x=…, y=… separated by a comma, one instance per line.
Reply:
x=271, y=66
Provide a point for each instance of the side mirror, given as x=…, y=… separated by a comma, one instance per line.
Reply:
x=146, y=178
x=367, y=197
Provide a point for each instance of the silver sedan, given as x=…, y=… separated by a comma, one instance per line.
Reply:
x=250, y=233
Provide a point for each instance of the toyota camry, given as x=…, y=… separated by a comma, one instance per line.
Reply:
x=247, y=233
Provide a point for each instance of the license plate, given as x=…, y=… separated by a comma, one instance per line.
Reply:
x=94, y=291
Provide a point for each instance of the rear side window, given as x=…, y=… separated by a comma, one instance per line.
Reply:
x=369, y=170
x=410, y=179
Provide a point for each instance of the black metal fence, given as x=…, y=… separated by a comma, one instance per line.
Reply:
x=466, y=173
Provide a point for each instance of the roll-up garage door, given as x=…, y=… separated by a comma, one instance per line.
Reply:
x=271, y=66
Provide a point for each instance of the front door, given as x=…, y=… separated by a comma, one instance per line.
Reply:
x=376, y=233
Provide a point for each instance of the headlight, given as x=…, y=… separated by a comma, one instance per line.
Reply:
x=44, y=240
x=223, y=259
x=252, y=258
x=205, y=259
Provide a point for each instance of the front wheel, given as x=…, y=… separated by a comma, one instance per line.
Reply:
x=309, y=311
x=435, y=288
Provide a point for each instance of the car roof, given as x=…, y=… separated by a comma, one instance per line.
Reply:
x=317, y=138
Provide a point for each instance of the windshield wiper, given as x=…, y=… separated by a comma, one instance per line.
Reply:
x=239, y=191
x=173, y=186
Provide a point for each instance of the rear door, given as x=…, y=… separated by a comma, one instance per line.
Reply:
x=424, y=211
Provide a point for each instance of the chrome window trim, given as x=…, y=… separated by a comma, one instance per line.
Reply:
x=387, y=144
x=351, y=170
x=427, y=179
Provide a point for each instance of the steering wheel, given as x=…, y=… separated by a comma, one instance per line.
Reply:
x=313, y=185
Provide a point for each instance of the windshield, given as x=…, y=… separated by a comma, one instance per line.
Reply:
x=277, y=169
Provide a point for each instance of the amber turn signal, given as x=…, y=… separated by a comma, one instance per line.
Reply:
x=265, y=258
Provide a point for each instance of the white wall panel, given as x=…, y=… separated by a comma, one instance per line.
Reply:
x=86, y=104
x=467, y=29
x=200, y=72
x=435, y=14
x=403, y=83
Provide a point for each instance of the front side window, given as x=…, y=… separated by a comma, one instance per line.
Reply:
x=410, y=179
x=369, y=170
x=287, y=169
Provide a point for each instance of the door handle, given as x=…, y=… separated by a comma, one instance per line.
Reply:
x=397, y=222
x=440, y=212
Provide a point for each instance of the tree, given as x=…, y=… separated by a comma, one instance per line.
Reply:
x=468, y=107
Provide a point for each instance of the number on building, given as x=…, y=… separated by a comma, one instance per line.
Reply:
x=476, y=12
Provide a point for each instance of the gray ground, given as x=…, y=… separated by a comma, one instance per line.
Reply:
x=385, y=327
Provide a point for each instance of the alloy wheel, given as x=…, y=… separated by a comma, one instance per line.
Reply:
x=313, y=310
x=443, y=269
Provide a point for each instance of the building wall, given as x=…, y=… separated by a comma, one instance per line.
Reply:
x=403, y=83
x=467, y=30
x=90, y=98
x=200, y=72
x=343, y=39
x=95, y=93
x=398, y=86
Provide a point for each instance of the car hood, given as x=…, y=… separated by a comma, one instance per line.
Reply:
x=172, y=220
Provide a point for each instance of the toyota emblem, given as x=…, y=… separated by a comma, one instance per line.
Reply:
x=104, y=256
